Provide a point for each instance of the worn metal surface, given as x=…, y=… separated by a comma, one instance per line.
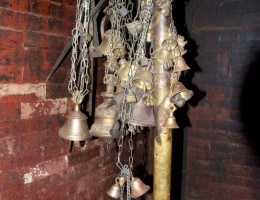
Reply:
x=163, y=139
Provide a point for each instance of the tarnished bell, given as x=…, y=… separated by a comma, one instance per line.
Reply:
x=148, y=99
x=104, y=47
x=139, y=110
x=143, y=80
x=114, y=191
x=163, y=54
x=75, y=127
x=138, y=188
x=180, y=65
x=134, y=27
x=105, y=117
x=180, y=94
x=123, y=71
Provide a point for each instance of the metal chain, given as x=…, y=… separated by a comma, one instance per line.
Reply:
x=78, y=84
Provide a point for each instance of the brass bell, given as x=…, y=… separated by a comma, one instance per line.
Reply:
x=171, y=120
x=119, y=52
x=169, y=44
x=180, y=94
x=148, y=99
x=105, y=117
x=138, y=188
x=111, y=64
x=130, y=97
x=139, y=110
x=123, y=71
x=134, y=27
x=75, y=127
x=180, y=65
x=104, y=47
x=143, y=79
x=181, y=41
x=163, y=54
x=114, y=191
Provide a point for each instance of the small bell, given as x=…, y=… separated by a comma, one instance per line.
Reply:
x=134, y=27
x=148, y=99
x=75, y=127
x=171, y=121
x=180, y=94
x=114, y=191
x=123, y=71
x=143, y=79
x=138, y=188
x=180, y=65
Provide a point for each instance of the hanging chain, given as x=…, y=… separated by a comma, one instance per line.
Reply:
x=78, y=84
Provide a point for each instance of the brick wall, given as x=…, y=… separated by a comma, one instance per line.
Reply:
x=34, y=163
x=223, y=140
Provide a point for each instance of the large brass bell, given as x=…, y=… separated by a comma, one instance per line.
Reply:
x=138, y=188
x=180, y=94
x=75, y=127
x=139, y=110
x=180, y=65
x=105, y=117
x=114, y=191
x=171, y=120
x=143, y=79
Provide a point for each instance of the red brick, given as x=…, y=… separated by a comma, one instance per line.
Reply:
x=11, y=38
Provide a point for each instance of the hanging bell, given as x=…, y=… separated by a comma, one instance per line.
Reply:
x=181, y=41
x=169, y=44
x=123, y=71
x=104, y=47
x=130, y=97
x=142, y=115
x=134, y=27
x=180, y=65
x=105, y=117
x=108, y=39
x=148, y=99
x=143, y=79
x=118, y=47
x=138, y=188
x=163, y=54
x=111, y=64
x=180, y=94
x=75, y=127
x=114, y=191
x=166, y=103
x=171, y=121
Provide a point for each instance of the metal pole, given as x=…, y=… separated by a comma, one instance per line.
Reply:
x=163, y=136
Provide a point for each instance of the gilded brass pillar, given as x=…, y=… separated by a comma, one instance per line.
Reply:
x=163, y=138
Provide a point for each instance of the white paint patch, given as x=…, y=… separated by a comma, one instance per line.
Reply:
x=59, y=106
x=28, y=178
x=44, y=107
x=46, y=169
x=10, y=146
x=26, y=110
x=22, y=89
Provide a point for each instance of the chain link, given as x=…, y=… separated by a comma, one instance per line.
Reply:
x=78, y=84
